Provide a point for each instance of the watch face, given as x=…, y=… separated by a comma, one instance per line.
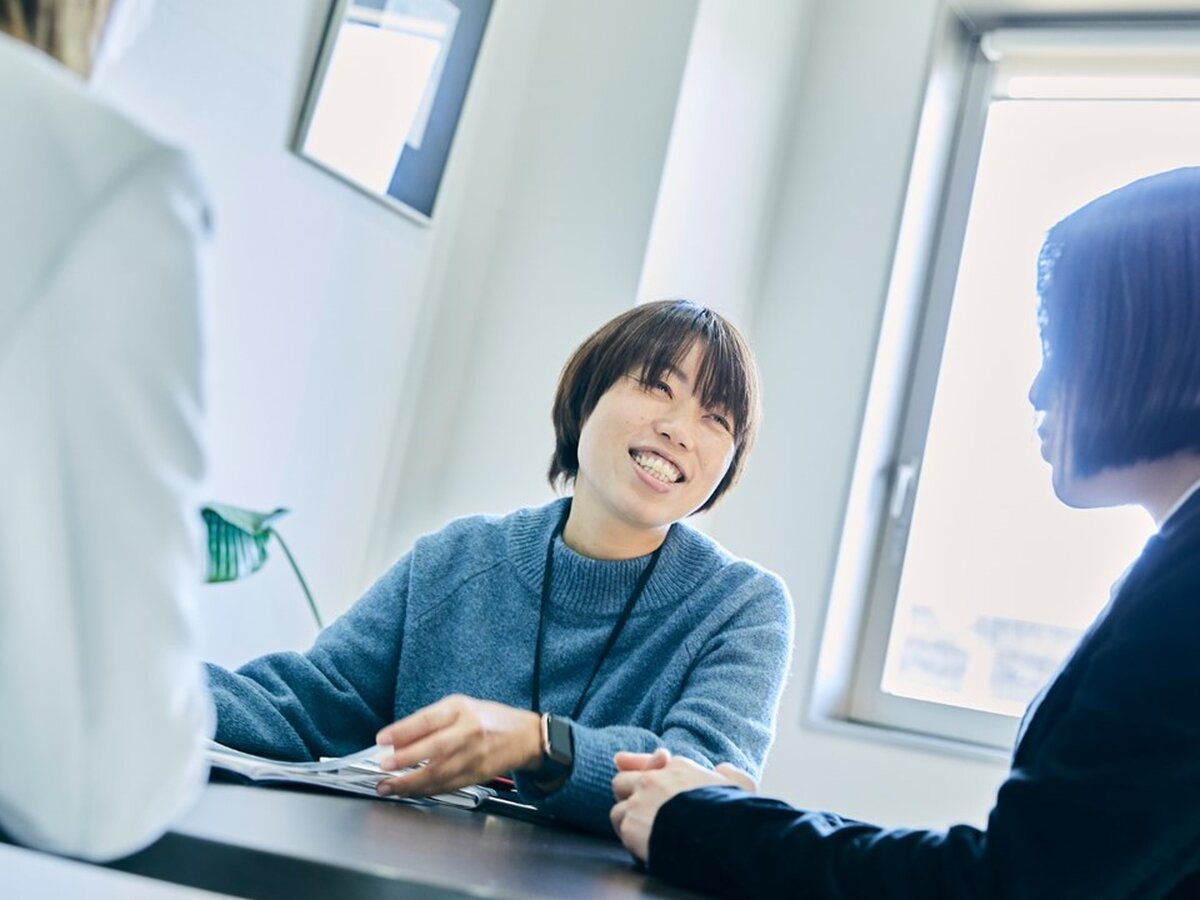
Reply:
x=561, y=740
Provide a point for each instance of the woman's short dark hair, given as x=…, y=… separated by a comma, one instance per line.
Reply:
x=649, y=339
x=1119, y=314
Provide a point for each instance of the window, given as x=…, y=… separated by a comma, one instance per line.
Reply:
x=978, y=581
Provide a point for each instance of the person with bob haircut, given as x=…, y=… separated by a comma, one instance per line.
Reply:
x=1103, y=799
x=541, y=642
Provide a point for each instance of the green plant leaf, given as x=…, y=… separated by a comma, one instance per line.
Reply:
x=237, y=546
x=237, y=540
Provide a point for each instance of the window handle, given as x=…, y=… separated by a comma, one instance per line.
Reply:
x=904, y=489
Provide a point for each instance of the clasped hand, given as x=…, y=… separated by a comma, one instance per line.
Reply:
x=464, y=741
x=645, y=781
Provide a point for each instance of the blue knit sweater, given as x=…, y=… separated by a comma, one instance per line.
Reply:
x=698, y=668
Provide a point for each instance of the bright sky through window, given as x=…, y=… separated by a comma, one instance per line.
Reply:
x=1000, y=578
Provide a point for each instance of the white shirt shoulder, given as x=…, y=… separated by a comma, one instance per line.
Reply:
x=104, y=703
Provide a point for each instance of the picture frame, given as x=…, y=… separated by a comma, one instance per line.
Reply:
x=386, y=94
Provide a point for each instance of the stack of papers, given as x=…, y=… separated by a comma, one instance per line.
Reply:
x=357, y=773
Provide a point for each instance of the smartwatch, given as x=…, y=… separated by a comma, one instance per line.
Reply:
x=558, y=750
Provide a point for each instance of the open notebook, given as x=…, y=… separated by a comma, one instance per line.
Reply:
x=357, y=773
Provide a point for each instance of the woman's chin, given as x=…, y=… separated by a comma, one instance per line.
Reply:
x=1093, y=492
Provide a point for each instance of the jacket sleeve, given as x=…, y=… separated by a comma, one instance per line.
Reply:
x=105, y=708
x=329, y=701
x=725, y=712
x=1104, y=808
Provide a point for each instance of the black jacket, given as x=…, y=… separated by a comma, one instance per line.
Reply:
x=1103, y=799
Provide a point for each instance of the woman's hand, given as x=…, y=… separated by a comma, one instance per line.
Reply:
x=648, y=780
x=465, y=740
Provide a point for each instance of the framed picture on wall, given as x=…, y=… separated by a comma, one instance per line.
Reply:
x=386, y=95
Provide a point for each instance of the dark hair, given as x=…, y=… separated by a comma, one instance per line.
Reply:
x=17, y=18
x=64, y=29
x=16, y=15
x=1119, y=315
x=650, y=339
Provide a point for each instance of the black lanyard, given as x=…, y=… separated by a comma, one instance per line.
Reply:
x=535, y=690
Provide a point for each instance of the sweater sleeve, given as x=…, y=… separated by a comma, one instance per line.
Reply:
x=103, y=696
x=329, y=701
x=725, y=712
x=1105, y=808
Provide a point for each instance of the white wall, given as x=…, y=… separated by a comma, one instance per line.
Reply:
x=729, y=141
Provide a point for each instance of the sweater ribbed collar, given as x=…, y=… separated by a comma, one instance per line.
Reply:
x=603, y=586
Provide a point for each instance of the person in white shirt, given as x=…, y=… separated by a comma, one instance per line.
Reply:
x=104, y=709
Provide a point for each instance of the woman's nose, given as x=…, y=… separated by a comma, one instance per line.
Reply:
x=1037, y=390
x=675, y=435
x=673, y=427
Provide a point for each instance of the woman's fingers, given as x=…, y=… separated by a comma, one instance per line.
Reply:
x=627, y=761
x=629, y=825
x=418, y=783
x=436, y=747
x=625, y=783
x=424, y=721
x=738, y=777
x=616, y=815
x=463, y=739
x=447, y=774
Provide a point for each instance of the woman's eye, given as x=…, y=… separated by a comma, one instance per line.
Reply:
x=660, y=386
x=722, y=421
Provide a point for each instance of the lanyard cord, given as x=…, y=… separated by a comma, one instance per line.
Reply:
x=535, y=690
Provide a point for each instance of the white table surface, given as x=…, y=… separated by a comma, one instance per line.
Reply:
x=30, y=874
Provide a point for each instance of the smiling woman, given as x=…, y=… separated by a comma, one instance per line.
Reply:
x=541, y=642
x=665, y=398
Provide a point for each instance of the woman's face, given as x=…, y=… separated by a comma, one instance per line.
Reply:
x=1046, y=421
x=649, y=455
x=1108, y=487
x=1047, y=408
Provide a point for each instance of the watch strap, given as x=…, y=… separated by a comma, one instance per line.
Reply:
x=558, y=752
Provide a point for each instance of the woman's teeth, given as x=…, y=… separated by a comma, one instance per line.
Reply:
x=658, y=467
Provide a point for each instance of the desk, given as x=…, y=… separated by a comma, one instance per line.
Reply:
x=263, y=843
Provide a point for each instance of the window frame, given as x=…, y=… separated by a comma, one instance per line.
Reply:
x=900, y=400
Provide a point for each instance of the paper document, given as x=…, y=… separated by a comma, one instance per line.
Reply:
x=357, y=773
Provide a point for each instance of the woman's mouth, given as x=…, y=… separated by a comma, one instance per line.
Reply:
x=656, y=467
